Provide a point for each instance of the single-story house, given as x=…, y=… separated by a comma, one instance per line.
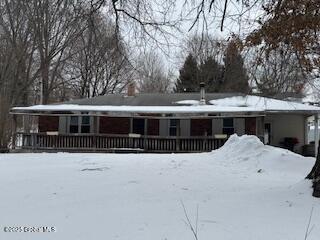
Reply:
x=175, y=122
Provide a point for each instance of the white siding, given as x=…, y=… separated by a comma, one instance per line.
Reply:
x=287, y=126
x=63, y=125
x=185, y=127
x=164, y=127
x=217, y=125
x=239, y=126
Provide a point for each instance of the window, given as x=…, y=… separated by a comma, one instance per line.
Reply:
x=74, y=124
x=79, y=124
x=85, y=124
x=173, y=127
x=228, y=127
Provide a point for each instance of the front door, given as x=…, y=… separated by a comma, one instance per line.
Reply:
x=201, y=127
x=251, y=126
x=267, y=133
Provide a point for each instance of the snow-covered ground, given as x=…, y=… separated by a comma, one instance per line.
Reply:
x=244, y=191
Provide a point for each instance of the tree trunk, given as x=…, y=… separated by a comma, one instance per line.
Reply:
x=45, y=82
x=315, y=176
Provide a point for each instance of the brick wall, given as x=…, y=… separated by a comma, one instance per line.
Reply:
x=48, y=124
x=201, y=126
x=114, y=125
x=153, y=127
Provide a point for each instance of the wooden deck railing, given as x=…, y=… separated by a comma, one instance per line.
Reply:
x=102, y=142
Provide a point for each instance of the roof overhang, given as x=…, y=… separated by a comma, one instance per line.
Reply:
x=197, y=110
x=134, y=111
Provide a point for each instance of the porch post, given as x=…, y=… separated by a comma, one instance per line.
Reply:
x=23, y=124
x=316, y=134
x=14, y=132
x=95, y=131
x=145, y=145
x=263, y=130
x=131, y=125
x=178, y=135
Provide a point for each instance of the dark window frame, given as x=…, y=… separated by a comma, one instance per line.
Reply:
x=74, y=125
x=79, y=126
x=85, y=127
x=173, y=127
x=228, y=126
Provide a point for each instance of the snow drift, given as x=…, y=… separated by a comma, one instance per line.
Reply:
x=249, y=152
x=242, y=147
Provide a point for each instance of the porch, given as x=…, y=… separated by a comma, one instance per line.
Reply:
x=115, y=143
x=139, y=123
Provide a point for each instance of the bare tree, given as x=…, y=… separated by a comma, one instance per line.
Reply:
x=35, y=42
x=204, y=47
x=99, y=63
x=55, y=27
x=152, y=75
x=278, y=72
x=17, y=56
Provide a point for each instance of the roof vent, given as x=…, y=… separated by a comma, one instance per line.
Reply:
x=202, y=94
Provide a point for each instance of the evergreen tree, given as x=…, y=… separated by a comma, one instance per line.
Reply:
x=211, y=73
x=188, y=80
x=235, y=74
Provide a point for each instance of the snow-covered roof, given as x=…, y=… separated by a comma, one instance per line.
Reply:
x=188, y=102
x=236, y=104
x=135, y=109
x=262, y=104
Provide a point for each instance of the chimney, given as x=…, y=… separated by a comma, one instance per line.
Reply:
x=131, y=89
x=202, y=94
